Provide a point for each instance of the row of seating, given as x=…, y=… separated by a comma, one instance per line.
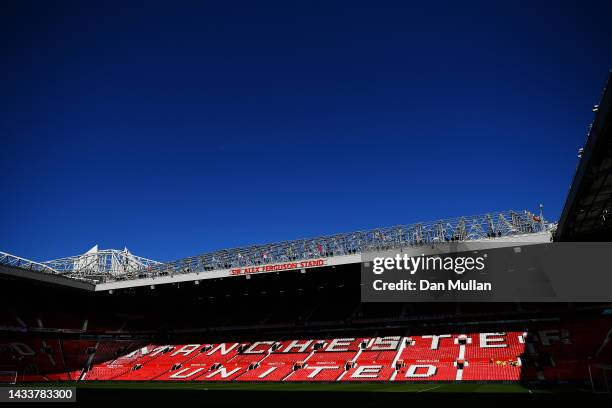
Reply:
x=436, y=357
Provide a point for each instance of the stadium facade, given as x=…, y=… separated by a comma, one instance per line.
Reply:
x=292, y=311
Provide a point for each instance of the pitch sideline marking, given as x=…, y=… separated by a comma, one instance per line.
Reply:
x=429, y=389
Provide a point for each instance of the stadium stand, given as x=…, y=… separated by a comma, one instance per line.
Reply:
x=542, y=352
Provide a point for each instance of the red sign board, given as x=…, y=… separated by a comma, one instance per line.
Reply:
x=279, y=267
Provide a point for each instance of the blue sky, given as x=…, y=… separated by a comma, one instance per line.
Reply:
x=180, y=127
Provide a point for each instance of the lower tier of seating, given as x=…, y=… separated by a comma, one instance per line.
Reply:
x=467, y=355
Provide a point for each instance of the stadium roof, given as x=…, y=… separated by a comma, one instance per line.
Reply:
x=112, y=269
x=587, y=214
